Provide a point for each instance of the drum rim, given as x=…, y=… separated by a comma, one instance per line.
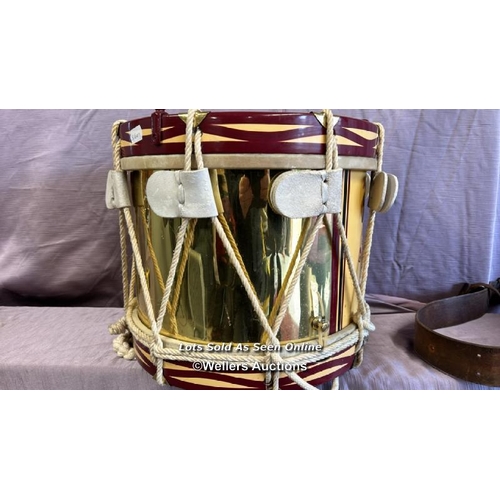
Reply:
x=249, y=132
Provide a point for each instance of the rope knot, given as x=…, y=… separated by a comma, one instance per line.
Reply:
x=363, y=321
x=119, y=328
x=123, y=347
x=156, y=348
x=365, y=326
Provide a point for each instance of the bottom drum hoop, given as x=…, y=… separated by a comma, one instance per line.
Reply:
x=208, y=371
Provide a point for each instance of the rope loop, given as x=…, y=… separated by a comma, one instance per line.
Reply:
x=380, y=147
x=119, y=328
x=193, y=135
x=123, y=346
x=363, y=321
x=116, y=145
x=332, y=150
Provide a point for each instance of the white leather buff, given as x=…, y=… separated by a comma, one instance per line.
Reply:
x=300, y=194
x=383, y=192
x=117, y=193
x=186, y=194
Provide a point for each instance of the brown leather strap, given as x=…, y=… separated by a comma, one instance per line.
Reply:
x=475, y=363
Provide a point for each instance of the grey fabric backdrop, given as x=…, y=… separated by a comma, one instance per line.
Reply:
x=59, y=244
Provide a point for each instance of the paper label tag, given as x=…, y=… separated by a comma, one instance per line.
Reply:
x=136, y=135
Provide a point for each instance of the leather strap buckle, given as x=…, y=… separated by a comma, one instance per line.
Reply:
x=495, y=295
x=493, y=290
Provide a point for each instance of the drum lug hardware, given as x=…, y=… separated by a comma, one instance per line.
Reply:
x=156, y=119
x=198, y=119
x=320, y=324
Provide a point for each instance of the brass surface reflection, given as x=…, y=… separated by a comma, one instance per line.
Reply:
x=209, y=303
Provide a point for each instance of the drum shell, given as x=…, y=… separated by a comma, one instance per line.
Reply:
x=244, y=152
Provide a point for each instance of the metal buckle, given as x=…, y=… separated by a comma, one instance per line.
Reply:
x=494, y=286
x=493, y=290
x=198, y=119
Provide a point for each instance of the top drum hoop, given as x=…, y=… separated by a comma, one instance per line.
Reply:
x=257, y=139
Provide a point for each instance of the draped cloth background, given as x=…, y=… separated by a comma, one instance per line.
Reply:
x=59, y=244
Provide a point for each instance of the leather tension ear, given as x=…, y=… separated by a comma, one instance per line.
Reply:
x=392, y=193
x=299, y=194
x=383, y=192
x=117, y=193
x=173, y=194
